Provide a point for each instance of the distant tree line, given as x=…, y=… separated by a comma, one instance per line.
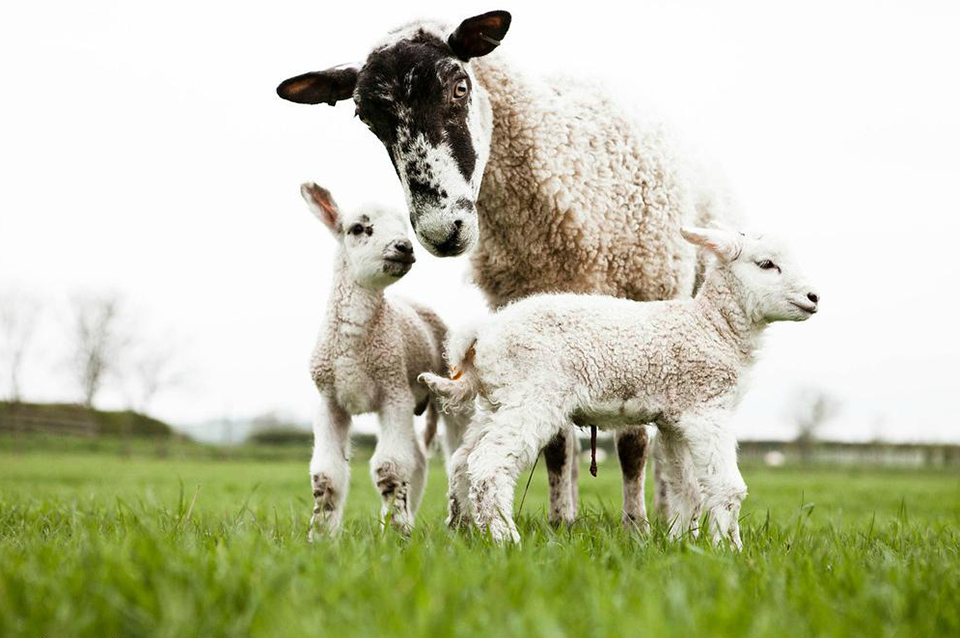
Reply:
x=104, y=346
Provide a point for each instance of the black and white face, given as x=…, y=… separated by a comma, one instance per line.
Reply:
x=417, y=93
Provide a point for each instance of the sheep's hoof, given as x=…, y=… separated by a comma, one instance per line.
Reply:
x=561, y=519
x=634, y=523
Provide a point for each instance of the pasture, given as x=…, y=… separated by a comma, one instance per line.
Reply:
x=93, y=543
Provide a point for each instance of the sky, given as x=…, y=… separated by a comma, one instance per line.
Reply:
x=145, y=154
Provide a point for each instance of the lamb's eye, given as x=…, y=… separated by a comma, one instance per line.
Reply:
x=460, y=90
x=766, y=264
x=356, y=229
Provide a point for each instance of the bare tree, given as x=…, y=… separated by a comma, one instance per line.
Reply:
x=98, y=342
x=154, y=369
x=19, y=315
x=811, y=408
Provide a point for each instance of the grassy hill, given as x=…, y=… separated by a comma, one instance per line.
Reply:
x=68, y=418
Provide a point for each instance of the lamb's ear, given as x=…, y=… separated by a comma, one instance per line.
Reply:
x=322, y=205
x=724, y=244
x=479, y=35
x=321, y=87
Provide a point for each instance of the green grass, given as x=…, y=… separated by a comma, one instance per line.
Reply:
x=94, y=544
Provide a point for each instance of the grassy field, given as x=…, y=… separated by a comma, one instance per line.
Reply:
x=95, y=544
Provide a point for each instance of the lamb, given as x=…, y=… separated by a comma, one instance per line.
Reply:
x=554, y=186
x=551, y=360
x=367, y=359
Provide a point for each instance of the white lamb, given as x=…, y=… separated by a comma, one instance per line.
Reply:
x=367, y=359
x=550, y=360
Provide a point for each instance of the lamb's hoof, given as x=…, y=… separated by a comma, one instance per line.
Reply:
x=325, y=516
x=394, y=493
x=501, y=534
x=456, y=519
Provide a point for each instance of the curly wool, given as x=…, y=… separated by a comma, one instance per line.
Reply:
x=579, y=196
x=372, y=348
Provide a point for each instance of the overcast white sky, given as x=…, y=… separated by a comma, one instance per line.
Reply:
x=143, y=151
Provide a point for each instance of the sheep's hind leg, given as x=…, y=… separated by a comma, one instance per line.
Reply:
x=509, y=442
x=329, y=469
x=632, y=448
x=398, y=466
x=560, y=457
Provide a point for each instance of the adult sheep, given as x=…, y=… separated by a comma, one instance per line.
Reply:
x=552, y=184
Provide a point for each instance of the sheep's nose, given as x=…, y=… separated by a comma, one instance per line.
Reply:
x=404, y=247
x=814, y=297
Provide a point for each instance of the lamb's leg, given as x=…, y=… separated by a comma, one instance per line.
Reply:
x=713, y=448
x=329, y=469
x=458, y=441
x=560, y=458
x=509, y=442
x=682, y=503
x=399, y=465
x=659, y=481
x=632, y=452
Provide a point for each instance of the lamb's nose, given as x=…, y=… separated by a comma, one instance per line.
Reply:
x=404, y=246
x=814, y=297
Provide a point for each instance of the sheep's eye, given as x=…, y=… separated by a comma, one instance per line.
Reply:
x=356, y=229
x=766, y=264
x=460, y=90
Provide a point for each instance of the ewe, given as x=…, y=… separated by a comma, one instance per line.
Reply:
x=367, y=359
x=550, y=360
x=555, y=186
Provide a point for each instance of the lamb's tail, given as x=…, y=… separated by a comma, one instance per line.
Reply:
x=456, y=393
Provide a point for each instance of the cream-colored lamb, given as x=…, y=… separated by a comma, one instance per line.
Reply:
x=551, y=360
x=367, y=359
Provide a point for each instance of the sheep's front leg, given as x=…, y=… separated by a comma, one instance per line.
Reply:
x=632, y=452
x=713, y=449
x=329, y=468
x=560, y=455
x=399, y=465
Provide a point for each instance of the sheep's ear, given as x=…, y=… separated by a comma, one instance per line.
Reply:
x=479, y=35
x=321, y=87
x=322, y=205
x=724, y=244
